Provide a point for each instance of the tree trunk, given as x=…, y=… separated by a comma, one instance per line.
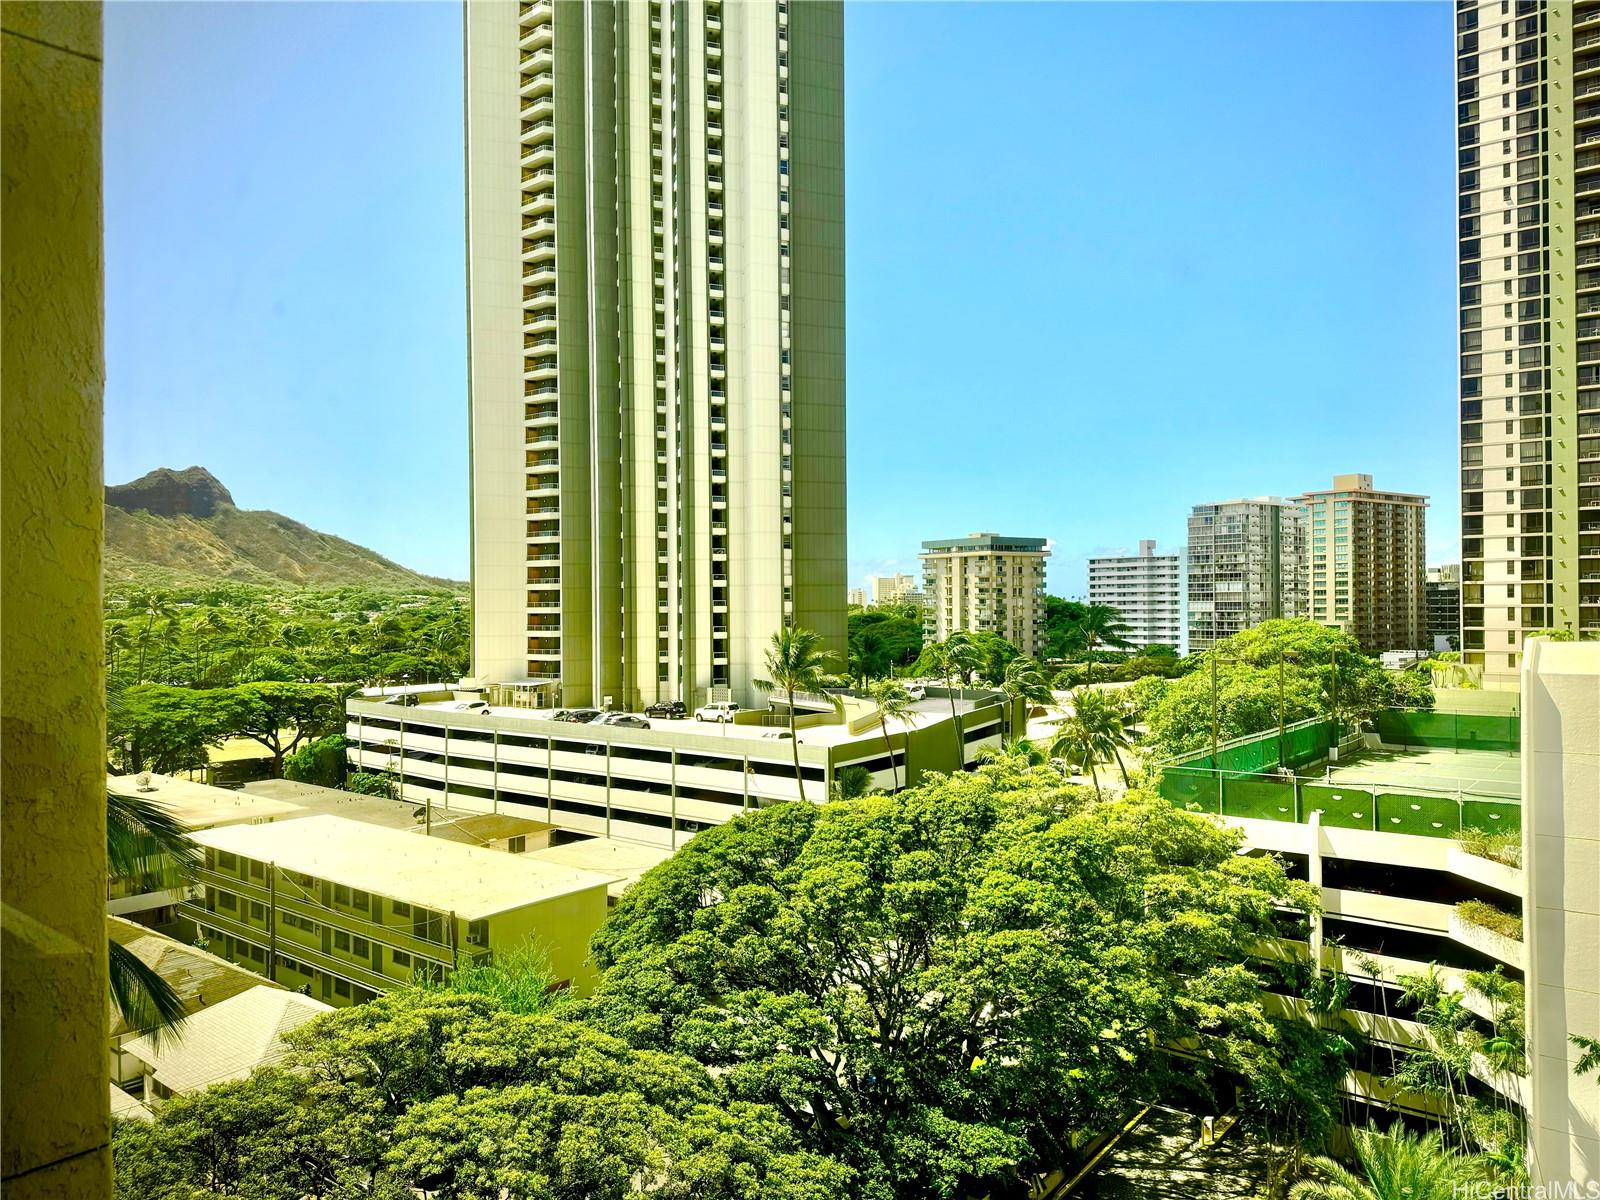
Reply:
x=794, y=746
x=894, y=772
x=1117, y=754
x=1095, y=776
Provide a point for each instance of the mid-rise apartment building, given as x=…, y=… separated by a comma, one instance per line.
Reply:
x=1443, y=596
x=1366, y=561
x=1528, y=159
x=1246, y=564
x=655, y=232
x=351, y=910
x=857, y=597
x=986, y=581
x=1146, y=591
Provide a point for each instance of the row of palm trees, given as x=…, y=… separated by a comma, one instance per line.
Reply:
x=1099, y=729
x=155, y=641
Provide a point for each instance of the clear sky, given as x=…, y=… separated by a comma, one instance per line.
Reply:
x=1105, y=261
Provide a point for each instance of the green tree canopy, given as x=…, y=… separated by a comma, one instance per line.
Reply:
x=946, y=987
x=1294, y=667
x=461, y=1097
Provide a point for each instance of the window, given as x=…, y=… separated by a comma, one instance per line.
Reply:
x=227, y=862
x=341, y=987
x=401, y=908
x=258, y=911
x=341, y=941
x=478, y=933
x=400, y=959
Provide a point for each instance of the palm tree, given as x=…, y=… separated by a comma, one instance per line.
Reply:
x=894, y=704
x=956, y=659
x=156, y=607
x=851, y=783
x=1024, y=681
x=1110, y=722
x=1101, y=625
x=1079, y=744
x=118, y=643
x=1394, y=1166
x=144, y=843
x=797, y=662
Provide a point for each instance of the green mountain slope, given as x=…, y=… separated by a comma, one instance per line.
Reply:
x=182, y=526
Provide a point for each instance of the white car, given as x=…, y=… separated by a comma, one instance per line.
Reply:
x=721, y=712
x=916, y=691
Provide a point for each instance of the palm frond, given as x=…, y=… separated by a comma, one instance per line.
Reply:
x=146, y=1001
x=140, y=833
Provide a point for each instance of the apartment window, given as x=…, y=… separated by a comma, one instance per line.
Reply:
x=400, y=959
x=341, y=941
x=341, y=987
x=401, y=908
x=227, y=862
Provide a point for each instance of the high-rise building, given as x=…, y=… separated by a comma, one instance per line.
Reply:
x=1529, y=239
x=857, y=597
x=1366, y=554
x=1246, y=564
x=989, y=582
x=655, y=229
x=1145, y=589
x=896, y=589
x=1443, y=591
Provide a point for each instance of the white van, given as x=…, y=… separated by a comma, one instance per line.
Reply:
x=723, y=711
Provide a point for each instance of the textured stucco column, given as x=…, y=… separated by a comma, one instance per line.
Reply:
x=52, y=785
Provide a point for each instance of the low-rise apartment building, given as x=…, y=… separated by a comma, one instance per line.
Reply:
x=1146, y=591
x=350, y=910
x=987, y=582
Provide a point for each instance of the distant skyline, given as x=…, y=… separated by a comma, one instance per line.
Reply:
x=1105, y=262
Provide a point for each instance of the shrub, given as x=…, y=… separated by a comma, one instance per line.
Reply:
x=1481, y=913
x=320, y=761
x=1501, y=846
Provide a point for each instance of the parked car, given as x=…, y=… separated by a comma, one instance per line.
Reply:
x=622, y=721
x=673, y=709
x=721, y=712
x=916, y=691
x=471, y=706
x=578, y=716
x=778, y=733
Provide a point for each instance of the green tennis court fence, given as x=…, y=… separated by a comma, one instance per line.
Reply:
x=1303, y=742
x=1418, y=812
x=1449, y=731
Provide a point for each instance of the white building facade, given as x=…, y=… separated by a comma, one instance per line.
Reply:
x=1146, y=589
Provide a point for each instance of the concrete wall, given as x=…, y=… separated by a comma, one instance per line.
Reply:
x=1561, y=857
x=56, y=1117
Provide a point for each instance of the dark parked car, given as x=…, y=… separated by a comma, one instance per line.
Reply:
x=623, y=721
x=674, y=709
x=578, y=716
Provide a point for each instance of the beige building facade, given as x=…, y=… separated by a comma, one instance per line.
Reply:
x=655, y=223
x=350, y=910
x=1528, y=229
x=986, y=581
x=1366, y=563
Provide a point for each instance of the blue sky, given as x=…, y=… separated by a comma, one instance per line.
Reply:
x=1105, y=261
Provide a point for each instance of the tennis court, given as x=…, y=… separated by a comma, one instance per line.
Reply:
x=1470, y=772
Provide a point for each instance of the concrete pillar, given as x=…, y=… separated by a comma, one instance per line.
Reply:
x=56, y=1121
x=1561, y=903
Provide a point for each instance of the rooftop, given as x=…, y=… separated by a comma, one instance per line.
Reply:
x=228, y=1040
x=989, y=541
x=464, y=880
x=198, y=977
x=199, y=805
x=682, y=733
x=624, y=860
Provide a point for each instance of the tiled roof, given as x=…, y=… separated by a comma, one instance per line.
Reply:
x=227, y=1040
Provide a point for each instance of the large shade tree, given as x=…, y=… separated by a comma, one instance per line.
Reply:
x=952, y=987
